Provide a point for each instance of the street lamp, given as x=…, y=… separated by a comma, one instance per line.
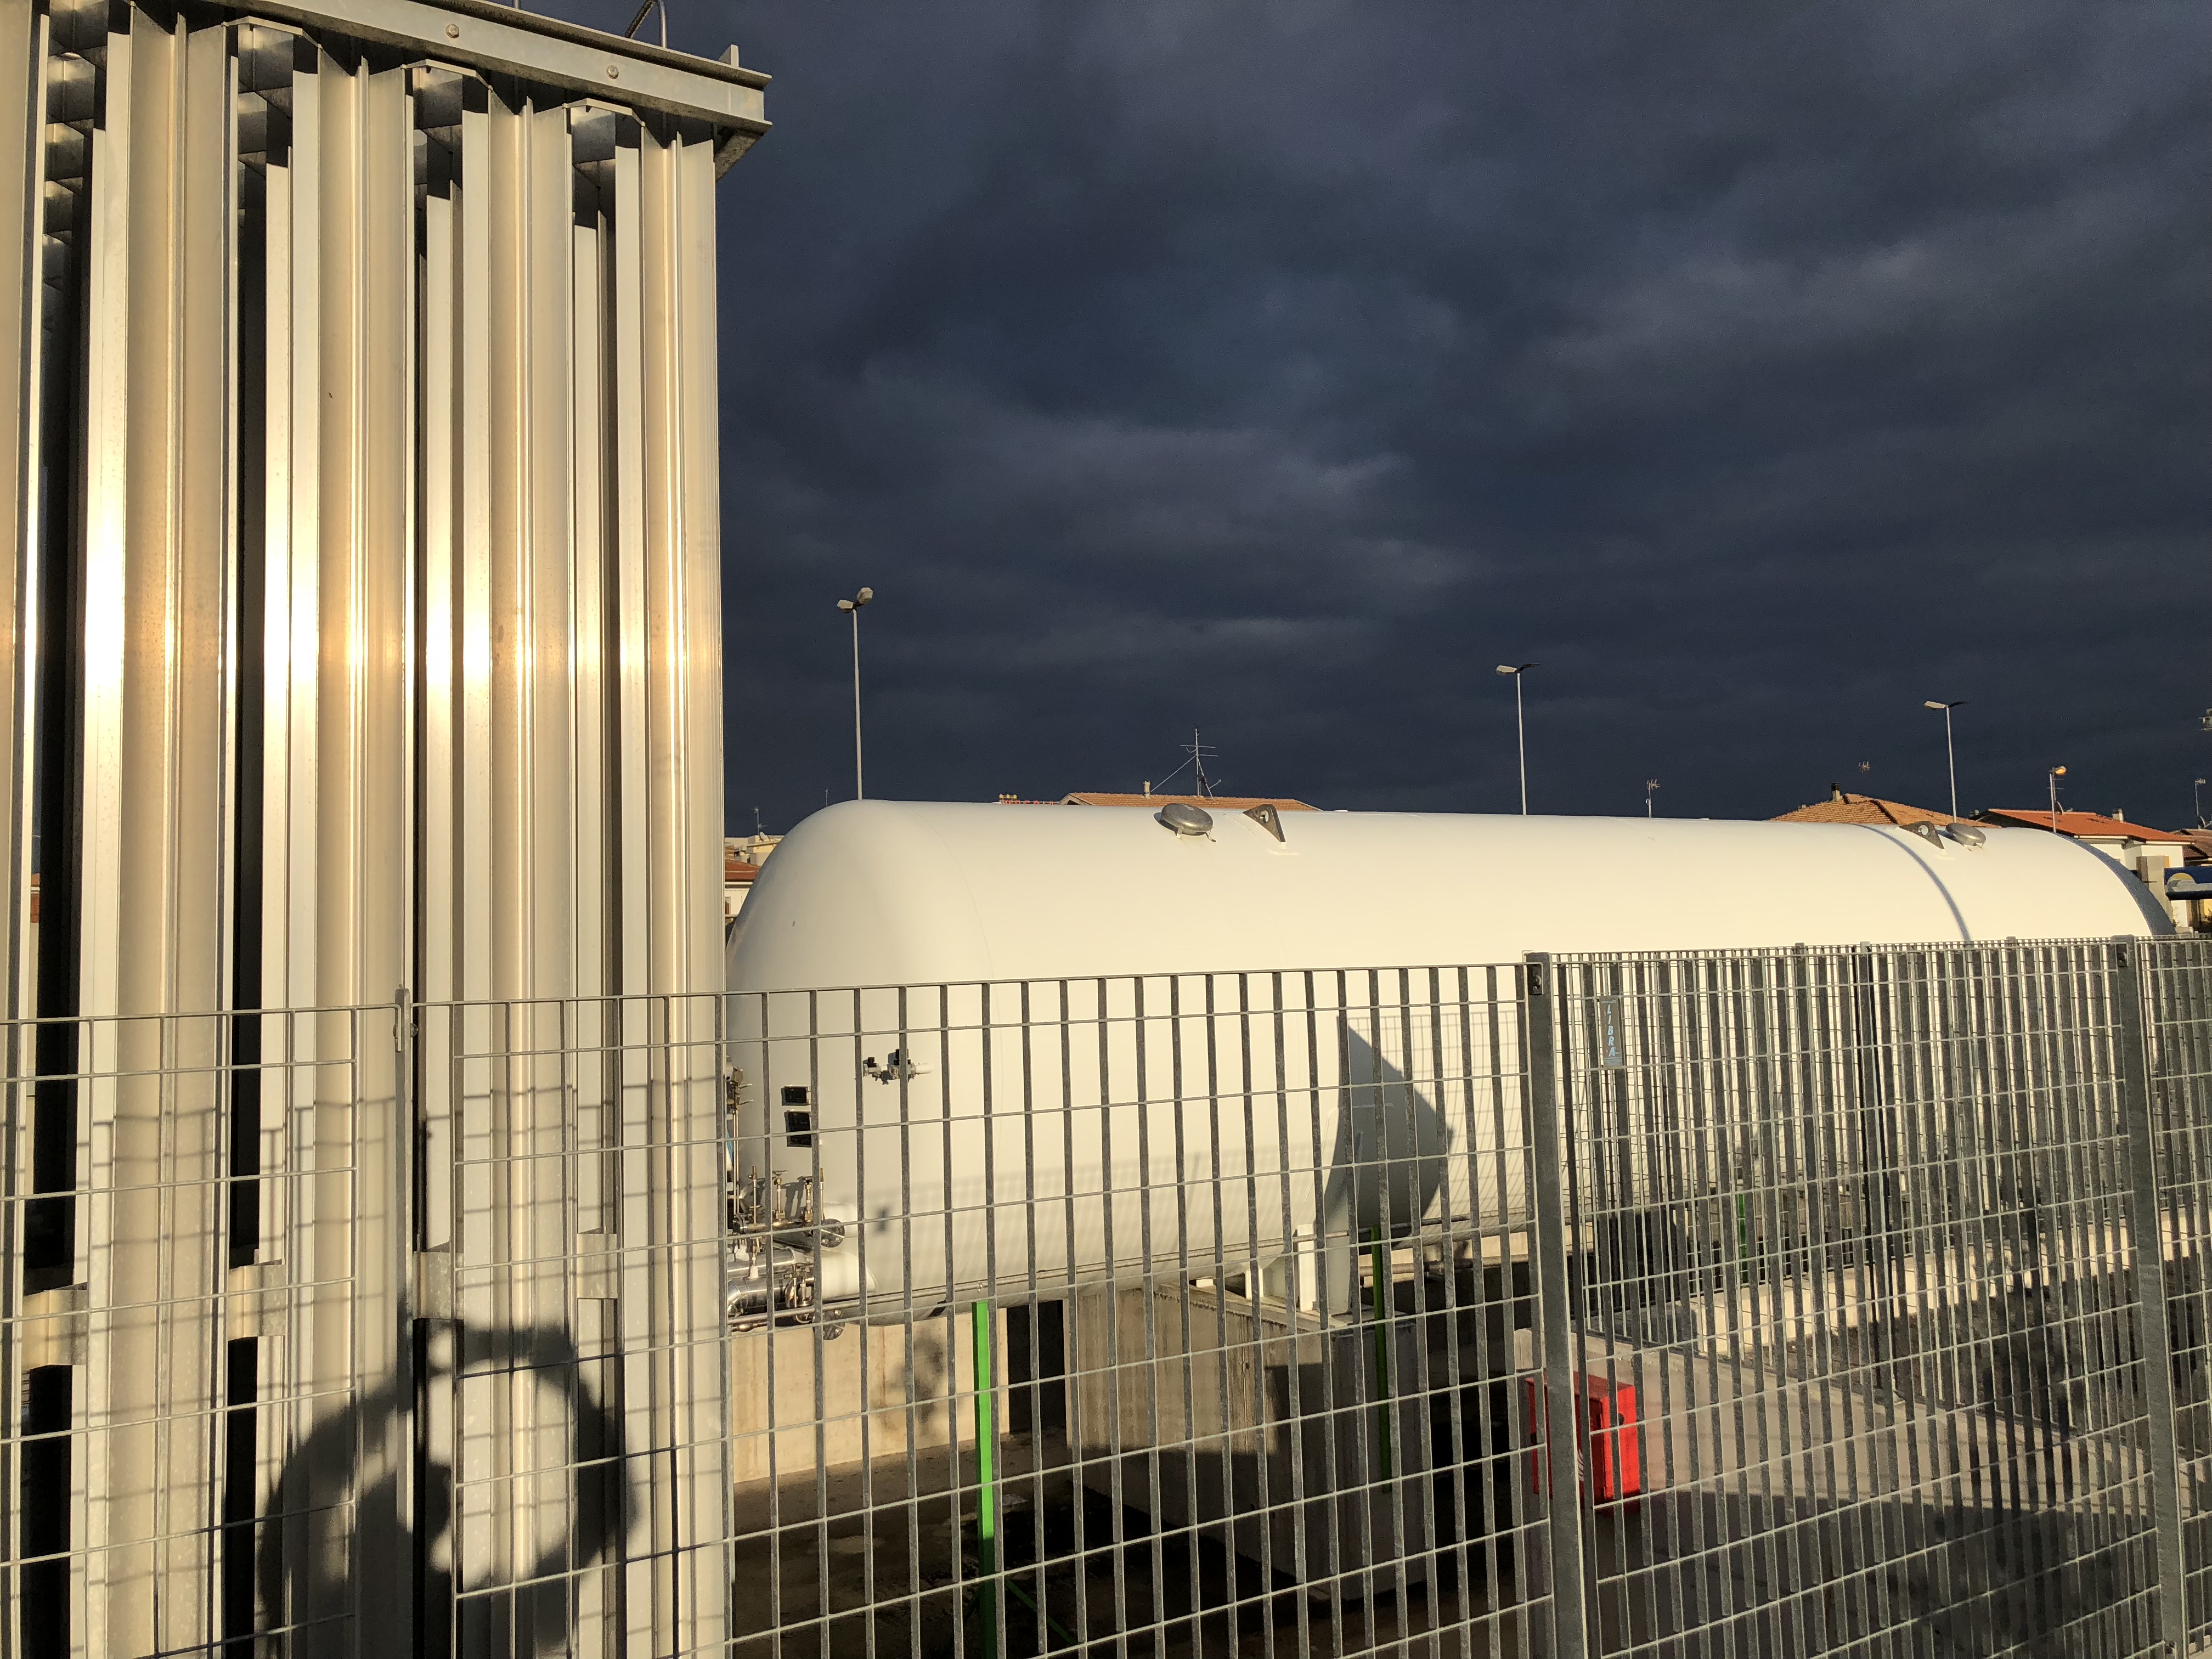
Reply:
x=2056, y=772
x=1520, y=726
x=2198, y=795
x=1649, y=784
x=852, y=608
x=1950, y=755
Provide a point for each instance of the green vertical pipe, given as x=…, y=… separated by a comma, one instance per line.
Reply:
x=1379, y=1263
x=986, y=1497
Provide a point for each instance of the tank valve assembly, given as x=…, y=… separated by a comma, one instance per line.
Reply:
x=778, y=1234
x=898, y=1067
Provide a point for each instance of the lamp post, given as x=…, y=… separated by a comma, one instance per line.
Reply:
x=1520, y=726
x=2056, y=772
x=852, y=608
x=1649, y=784
x=2196, y=794
x=1950, y=755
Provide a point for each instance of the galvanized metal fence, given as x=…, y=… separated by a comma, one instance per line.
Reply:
x=382, y=1330
x=1169, y=1315
x=184, y=1348
x=2177, y=989
x=569, y=1317
x=1229, y=1312
x=1854, y=1239
x=1202, y=1313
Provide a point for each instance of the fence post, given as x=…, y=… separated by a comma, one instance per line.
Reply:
x=1560, y=1420
x=2153, y=1332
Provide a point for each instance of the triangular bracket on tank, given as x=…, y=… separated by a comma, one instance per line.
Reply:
x=1267, y=818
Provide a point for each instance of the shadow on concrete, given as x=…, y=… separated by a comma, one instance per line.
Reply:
x=1685, y=1574
x=887, y=1553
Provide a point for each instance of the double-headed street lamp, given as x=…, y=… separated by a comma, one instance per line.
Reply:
x=1950, y=755
x=1520, y=726
x=852, y=608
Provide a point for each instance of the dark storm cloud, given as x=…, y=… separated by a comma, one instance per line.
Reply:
x=1278, y=369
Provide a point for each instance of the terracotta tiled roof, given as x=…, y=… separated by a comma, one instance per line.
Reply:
x=736, y=873
x=1224, y=803
x=2081, y=825
x=1863, y=809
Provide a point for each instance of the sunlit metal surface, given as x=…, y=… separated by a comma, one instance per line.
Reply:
x=362, y=639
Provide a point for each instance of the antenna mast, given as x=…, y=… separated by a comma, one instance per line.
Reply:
x=1197, y=751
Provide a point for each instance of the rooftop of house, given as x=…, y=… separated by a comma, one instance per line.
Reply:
x=2082, y=826
x=1225, y=803
x=1843, y=808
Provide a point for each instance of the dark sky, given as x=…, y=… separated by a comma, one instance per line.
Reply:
x=1757, y=371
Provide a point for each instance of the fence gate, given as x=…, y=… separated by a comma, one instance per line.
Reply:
x=216, y=1441
x=202, y=1411
x=1867, y=1352
x=2179, y=995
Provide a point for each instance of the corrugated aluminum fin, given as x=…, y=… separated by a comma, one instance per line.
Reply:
x=359, y=672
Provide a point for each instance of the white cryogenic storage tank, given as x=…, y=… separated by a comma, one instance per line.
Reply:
x=1090, y=1046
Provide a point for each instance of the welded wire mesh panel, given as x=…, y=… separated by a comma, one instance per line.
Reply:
x=1175, y=1315
x=1855, y=1310
x=2177, y=977
x=574, y=1242
x=190, y=1407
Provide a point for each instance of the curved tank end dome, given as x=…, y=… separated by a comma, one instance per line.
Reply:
x=889, y=892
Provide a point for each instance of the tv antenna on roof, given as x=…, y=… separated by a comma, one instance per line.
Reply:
x=1195, y=754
